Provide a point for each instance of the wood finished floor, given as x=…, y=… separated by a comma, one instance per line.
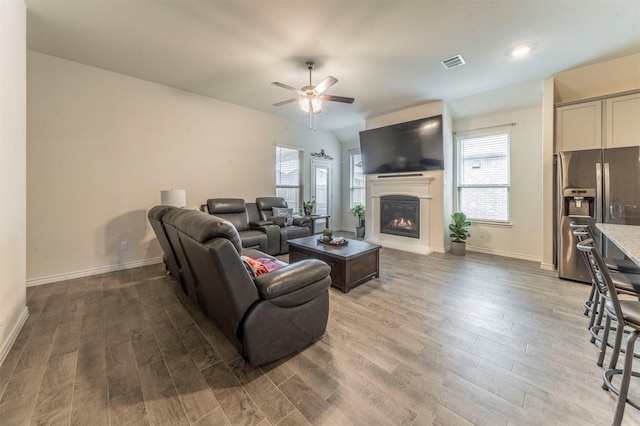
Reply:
x=436, y=340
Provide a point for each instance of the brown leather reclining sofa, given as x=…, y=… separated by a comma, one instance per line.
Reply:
x=266, y=317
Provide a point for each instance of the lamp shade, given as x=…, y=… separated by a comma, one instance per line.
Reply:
x=174, y=197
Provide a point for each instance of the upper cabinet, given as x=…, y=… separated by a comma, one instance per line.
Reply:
x=622, y=124
x=579, y=126
x=608, y=123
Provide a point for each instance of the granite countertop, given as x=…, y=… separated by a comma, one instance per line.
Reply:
x=626, y=237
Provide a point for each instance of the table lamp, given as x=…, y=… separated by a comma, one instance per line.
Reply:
x=173, y=197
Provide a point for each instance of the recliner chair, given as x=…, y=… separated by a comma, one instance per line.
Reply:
x=301, y=226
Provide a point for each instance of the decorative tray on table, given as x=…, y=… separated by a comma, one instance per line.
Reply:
x=336, y=242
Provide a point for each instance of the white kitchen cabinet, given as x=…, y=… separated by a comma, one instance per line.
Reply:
x=579, y=126
x=622, y=121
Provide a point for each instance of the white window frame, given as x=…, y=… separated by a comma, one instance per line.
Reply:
x=352, y=185
x=459, y=185
x=297, y=204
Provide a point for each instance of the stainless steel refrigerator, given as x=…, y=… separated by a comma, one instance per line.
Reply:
x=596, y=185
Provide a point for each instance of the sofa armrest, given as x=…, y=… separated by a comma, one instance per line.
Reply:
x=258, y=224
x=302, y=221
x=291, y=278
x=273, y=234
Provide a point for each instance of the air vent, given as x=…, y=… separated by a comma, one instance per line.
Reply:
x=454, y=61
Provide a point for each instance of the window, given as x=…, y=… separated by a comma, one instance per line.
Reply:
x=483, y=176
x=356, y=179
x=289, y=176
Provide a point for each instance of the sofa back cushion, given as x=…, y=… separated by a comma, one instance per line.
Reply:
x=231, y=209
x=155, y=216
x=203, y=227
x=266, y=205
x=252, y=212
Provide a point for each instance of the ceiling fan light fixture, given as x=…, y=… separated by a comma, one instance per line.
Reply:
x=311, y=104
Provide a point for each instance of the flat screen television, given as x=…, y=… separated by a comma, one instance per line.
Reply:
x=405, y=147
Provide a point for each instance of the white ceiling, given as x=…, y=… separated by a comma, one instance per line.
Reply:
x=385, y=54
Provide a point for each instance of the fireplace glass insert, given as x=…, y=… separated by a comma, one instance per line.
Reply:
x=400, y=215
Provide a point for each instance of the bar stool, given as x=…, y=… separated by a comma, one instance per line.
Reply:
x=625, y=282
x=627, y=314
x=615, y=265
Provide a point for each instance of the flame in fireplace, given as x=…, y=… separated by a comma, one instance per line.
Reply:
x=402, y=223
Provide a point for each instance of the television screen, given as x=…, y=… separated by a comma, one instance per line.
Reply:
x=405, y=147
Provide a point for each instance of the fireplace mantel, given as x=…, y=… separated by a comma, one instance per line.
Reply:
x=419, y=186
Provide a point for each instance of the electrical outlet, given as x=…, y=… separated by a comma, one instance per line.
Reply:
x=483, y=233
x=124, y=245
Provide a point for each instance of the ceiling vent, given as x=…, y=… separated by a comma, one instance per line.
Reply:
x=452, y=62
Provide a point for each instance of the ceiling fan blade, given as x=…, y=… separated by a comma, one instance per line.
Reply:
x=325, y=84
x=337, y=99
x=288, y=101
x=285, y=86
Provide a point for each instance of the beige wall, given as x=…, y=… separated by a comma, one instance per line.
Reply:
x=604, y=78
x=13, y=309
x=101, y=147
x=521, y=239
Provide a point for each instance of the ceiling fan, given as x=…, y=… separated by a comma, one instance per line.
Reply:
x=310, y=97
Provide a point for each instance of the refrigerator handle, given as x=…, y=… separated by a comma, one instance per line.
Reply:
x=606, y=197
x=598, y=207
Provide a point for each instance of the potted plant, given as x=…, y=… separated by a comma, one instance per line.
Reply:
x=459, y=232
x=307, y=206
x=358, y=211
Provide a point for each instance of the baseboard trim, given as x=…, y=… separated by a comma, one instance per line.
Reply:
x=94, y=271
x=505, y=254
x=548, y=266
x=6, y=346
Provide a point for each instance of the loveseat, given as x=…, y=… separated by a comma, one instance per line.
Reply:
x=269, y=216
x=266, y=317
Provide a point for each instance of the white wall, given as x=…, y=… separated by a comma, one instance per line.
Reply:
x=101, y=147
x=13, y=309
x=521, y=239
x=604, y=78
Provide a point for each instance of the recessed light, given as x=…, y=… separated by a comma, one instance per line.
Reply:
x=521, y=51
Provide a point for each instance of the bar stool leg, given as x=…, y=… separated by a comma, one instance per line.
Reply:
x=616, y=346
x=596, y=319
x=626, y=378
x=588, y=306
x=604, y=341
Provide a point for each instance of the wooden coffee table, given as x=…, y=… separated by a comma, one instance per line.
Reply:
x=351, y=265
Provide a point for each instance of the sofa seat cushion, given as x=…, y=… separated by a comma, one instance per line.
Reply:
x=291, y=232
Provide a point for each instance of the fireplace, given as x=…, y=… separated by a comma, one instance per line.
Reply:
x=400, y=215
